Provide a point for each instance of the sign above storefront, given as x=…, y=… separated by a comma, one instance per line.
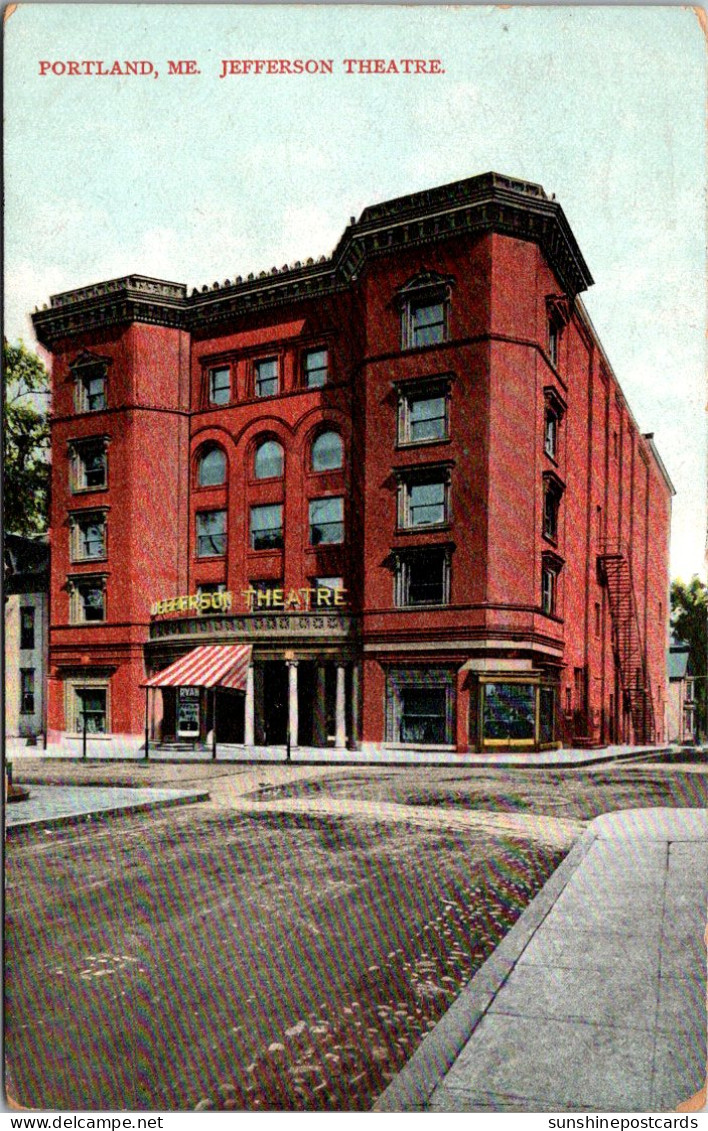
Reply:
x=254, y=600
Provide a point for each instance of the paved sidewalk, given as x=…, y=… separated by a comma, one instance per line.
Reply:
x=596, y=999
x=64, y=804
x=104, y=749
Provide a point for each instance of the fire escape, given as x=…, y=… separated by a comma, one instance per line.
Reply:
x=627, y=641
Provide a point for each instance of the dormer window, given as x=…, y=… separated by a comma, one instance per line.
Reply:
x=90, y=382
x=424, y=303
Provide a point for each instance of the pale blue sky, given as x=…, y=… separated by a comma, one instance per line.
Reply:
x=199, y=178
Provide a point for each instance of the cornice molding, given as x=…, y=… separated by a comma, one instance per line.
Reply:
x=488, y=203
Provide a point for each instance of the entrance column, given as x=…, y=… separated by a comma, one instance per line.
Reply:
x=319, y=728
x=355, y=706
x=248, y=730
x=341, y=721
x=292, y=701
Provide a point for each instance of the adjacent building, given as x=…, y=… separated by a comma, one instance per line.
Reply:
x=681, y=703
x=26, y=584
x=396, y=497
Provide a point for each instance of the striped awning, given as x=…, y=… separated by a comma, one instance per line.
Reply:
x=212, y=665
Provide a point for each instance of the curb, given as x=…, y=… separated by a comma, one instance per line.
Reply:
x=114, y=811
x=407, y=759
x=411, y=1089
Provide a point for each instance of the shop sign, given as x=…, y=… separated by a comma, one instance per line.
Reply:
x=188, y=712
x=290, y=600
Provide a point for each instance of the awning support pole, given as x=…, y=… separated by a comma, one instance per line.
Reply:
x=147, y=721
x=213, y=723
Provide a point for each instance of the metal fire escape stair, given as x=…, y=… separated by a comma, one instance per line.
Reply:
x=628, y=643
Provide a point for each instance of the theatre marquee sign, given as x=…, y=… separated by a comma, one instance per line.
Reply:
x=254, y=600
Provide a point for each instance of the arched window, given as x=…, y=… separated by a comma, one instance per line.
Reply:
x=268, y=463
x=211, y=469
x=327, y=452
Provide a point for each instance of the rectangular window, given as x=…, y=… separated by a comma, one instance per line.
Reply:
x=422, y=417
x=551, y=504
x=89, y=537
x=423, y=578
x=553, y=340
x=598, y=618
x=89, y=466
x=91, y=709
x=326, y=521
x=423, y=503
x=329, y=592
x=90, y=388
x=27, y=628
x=211, y=534
x=267, y=527
x=424, y=323
x=551, y=433
x=88, y=600
x=315, y=365
x=27, y=691
x=331, y=583
x=266, y=377
x=220, y=385
x=548, y=590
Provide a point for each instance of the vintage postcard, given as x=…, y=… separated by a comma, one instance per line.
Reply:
x=356, y=617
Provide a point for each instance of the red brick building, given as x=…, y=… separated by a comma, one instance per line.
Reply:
x=404, y=476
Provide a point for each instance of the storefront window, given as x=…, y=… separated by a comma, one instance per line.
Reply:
x=420, y=706
x=509, y=711
x=546, y=715
x=423, y=714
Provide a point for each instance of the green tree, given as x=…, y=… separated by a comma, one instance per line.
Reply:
x=26, y=441
x=689, y=620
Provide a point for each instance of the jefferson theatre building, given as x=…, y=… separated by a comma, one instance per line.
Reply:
x=391, y=500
